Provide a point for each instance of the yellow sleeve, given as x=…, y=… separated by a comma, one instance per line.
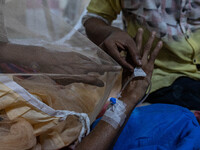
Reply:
x=108, y=9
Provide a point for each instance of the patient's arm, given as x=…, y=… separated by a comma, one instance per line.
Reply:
x=104, y=135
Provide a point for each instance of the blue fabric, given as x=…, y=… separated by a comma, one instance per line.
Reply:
x=160, y=127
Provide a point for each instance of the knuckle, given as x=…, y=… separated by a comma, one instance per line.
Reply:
x=129, y=41
x=153, y=56
x=147, y=46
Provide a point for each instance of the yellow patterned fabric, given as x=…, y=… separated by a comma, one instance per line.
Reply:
x=176, y=23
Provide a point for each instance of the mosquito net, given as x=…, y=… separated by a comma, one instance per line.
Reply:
x=53, y=80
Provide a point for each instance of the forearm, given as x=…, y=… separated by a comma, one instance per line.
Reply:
x=19, y=54
x=104, y=135
x=97, y=30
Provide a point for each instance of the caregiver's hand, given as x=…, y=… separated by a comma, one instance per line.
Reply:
x=120, y=41
x=46, y=61
x=113, y=40
x=74, y=65
x=87, y=79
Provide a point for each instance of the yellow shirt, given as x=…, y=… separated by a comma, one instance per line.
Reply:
x=175, y=23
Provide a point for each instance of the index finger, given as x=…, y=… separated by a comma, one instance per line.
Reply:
x=112, y=50
x=87, y=79
x=105, y=68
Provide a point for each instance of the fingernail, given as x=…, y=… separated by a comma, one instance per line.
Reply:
x=153, y=33
x=160, y=43
x=117, y=67
x=140, y=62
x=140, y=30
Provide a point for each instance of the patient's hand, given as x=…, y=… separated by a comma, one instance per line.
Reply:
x=137, y=87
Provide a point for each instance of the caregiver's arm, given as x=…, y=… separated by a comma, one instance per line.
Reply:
x=14, y=53
x=66, y=62
x=74, y=67
x=104, y=135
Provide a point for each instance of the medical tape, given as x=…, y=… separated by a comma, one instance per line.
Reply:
x=138, y=72
x=115, y=114
x=62, y=114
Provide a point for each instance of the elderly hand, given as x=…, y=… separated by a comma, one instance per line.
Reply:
x=137, y=87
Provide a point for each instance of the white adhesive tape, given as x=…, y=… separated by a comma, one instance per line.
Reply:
x=138, y=72
x=115, y=115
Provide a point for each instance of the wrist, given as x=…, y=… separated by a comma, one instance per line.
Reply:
x=135, y=92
